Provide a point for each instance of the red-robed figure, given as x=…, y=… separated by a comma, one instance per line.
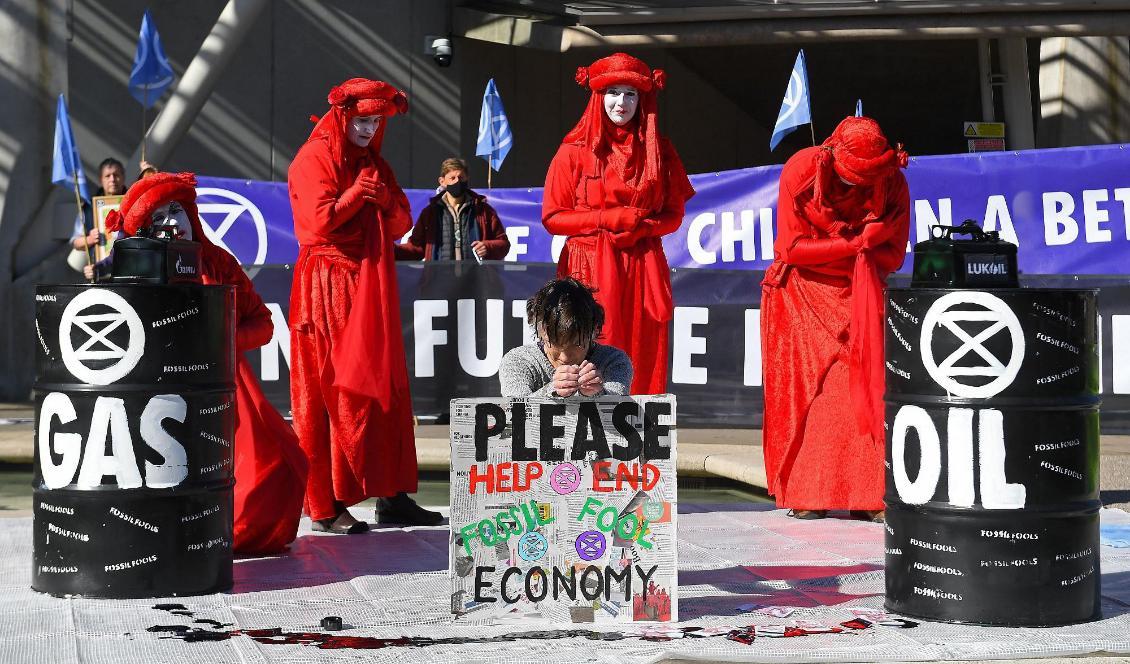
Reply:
x=615, y=188
x=270, y=469
x=348, y=380
x=843, y=217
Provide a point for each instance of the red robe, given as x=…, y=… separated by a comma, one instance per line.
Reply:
x=817, y=298
x=629, y=270
x=360, y=441
x=270, y=468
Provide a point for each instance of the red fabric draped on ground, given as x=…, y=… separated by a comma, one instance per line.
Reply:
x=270, y=468
x=270, y=471
x=821, y=316
x=359, y=438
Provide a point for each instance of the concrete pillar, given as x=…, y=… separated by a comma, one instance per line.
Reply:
x=985, y=79
x=1084, y=91
x=1019, y=132
x=35, y=219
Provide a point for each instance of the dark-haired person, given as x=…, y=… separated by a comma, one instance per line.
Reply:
x=566, y=360
x=437, y=236
x=112, y=182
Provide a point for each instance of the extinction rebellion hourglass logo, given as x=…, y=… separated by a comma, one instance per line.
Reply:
x=95, y=320
x=962, y=371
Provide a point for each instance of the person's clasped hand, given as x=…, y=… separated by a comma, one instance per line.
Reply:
x=590, y=382
x=619, y=220
x=872, y=235
x=566, y=380
x=366, y=188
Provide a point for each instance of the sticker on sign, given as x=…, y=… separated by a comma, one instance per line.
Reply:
x=983, y=130
x=986, y=145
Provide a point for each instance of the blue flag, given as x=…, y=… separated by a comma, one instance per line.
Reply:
x=858, y=108
x=796, y=108
x=66, y=164
x=151, y=73
x=495, y=137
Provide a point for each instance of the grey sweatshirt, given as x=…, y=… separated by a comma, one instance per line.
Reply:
x=526, y=371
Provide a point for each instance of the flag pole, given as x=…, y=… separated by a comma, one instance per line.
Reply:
x=78, y=204
x=144, y=107
x=811, y=123
x=808, y=94
x=489, y=169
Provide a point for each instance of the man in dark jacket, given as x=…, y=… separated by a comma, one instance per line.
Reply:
x=438, y=236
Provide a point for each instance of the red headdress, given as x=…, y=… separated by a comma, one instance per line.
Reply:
x=150, y=193
x=858, y=152
x=634, y=148
x=357, y=96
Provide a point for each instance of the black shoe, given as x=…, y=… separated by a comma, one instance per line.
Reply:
x=340, y=526
x=807, y=515
x=403, y=511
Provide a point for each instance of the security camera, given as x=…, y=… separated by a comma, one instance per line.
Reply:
x=441, y=51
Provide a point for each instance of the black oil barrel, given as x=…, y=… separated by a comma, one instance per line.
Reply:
x=992, y=417
x=134, y=440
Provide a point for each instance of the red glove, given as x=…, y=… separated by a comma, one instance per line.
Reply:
x=810, y=251
x=873, y=235
x=365, y=189
x=619, y=220
x=376, y=190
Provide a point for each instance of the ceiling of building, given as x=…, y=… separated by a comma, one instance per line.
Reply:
x=565, y=25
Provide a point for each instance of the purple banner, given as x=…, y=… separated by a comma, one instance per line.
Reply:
x=1067, y=209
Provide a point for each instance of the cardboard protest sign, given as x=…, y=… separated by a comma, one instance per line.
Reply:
x=564, y=510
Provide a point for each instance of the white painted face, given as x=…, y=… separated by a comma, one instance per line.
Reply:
x=620, y=103
x=362, y=128
x=172, y=215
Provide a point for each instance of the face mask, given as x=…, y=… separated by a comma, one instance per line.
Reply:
x=361, y=129
x=620, y=103
x=172, y=216
x=457, y=189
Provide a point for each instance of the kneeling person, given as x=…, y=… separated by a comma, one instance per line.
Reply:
x=566, y=361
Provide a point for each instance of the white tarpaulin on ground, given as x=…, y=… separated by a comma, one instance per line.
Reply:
x=740, y=565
